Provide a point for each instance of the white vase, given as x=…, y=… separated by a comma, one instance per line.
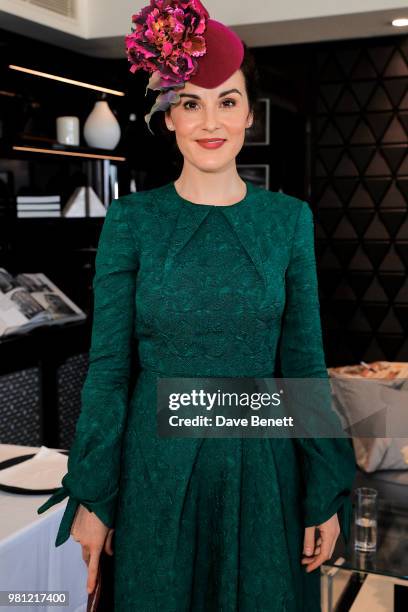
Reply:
x=101, y=129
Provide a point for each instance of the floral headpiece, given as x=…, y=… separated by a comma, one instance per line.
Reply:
x=166, y=40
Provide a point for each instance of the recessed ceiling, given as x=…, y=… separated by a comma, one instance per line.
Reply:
x=297, y=31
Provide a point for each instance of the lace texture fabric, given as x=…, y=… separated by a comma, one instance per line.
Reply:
x=205, y=291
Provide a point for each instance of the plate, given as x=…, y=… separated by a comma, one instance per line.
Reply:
x=22, y=491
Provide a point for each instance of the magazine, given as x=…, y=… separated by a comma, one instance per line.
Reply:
x=31, y=300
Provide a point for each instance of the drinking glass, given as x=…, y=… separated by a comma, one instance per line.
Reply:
x=366, y=519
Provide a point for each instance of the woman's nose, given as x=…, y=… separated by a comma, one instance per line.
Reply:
x=210, y=119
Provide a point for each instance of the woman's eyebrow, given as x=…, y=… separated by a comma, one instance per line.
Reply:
x=223, y=93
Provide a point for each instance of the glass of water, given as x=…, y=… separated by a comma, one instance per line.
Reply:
x=366, y=519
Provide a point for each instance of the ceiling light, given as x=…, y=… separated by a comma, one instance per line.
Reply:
x=400, y=23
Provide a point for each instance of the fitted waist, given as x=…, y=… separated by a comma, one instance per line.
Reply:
x=147, y=370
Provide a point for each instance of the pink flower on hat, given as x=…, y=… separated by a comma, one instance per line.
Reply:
x=166, y=37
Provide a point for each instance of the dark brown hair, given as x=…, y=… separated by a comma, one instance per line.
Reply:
x=251, y=76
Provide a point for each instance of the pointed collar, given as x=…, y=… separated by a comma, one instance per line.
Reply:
x=241, y=216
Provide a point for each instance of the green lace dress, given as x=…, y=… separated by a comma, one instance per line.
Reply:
x=204, y=524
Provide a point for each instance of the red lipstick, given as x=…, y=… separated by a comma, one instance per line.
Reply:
x=211, y=143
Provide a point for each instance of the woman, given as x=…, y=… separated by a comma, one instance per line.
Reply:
x=214, y=277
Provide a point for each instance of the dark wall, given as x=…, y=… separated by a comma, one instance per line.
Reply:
x=352, y=98
x=360, y=196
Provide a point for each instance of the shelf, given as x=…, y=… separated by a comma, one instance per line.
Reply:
x=46, y=147
x=65, y=80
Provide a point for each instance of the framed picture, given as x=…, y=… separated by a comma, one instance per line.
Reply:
x=258, y=133
x=256, y=173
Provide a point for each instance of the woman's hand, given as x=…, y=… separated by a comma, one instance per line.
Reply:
x=316, y=552
x=94, y=536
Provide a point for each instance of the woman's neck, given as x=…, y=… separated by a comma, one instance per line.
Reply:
x=224, y=187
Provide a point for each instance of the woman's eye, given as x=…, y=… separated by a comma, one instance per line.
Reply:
x=230, y=100
x=186, y=103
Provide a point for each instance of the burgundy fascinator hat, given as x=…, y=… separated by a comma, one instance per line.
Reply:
x=176, y=41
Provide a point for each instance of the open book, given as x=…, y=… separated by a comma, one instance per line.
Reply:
x=31, y=300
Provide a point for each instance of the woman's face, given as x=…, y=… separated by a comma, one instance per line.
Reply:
x=219, y=113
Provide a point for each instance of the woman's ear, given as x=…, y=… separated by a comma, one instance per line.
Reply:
x=168, y=120
x=250, y=119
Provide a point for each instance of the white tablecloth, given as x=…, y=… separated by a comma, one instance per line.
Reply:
x=29, y=559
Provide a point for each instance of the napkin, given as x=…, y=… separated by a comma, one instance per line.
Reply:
x=43, y=471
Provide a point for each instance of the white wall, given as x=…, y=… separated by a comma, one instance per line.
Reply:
x=113, y=17
x=27, y=13
x=102, y=24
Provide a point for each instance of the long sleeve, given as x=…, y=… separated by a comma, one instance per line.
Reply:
x=93, y=472
x=328, y=464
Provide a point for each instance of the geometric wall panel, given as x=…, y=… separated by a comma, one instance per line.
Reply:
x=394, y=198
x=402, y=184
x=360, y=196
x=393, y=221
x=393, y=262
x=391, y=284
x=394, y=156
